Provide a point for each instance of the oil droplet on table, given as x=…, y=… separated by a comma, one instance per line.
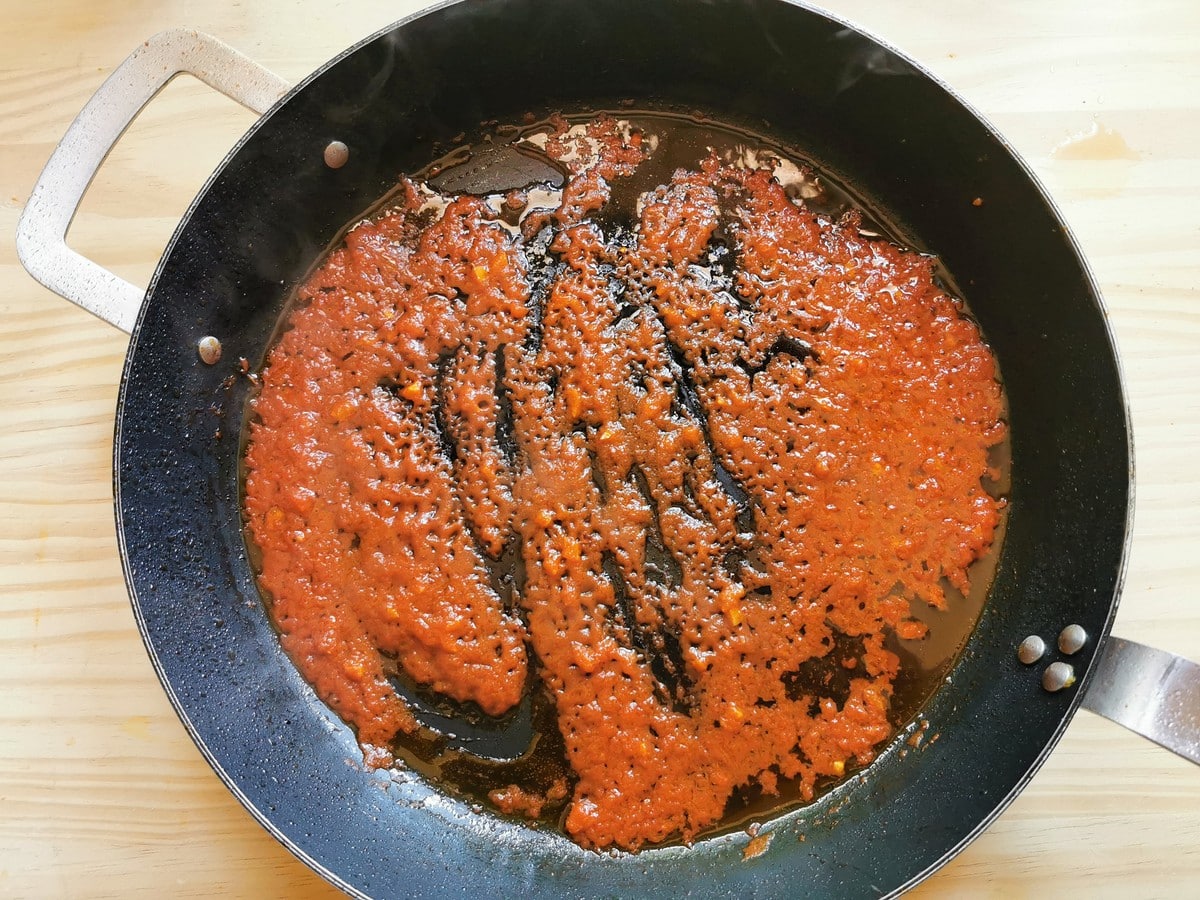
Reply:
x=1097, y=162
x=1097, y=143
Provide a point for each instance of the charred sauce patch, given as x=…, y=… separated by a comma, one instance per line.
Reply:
x=691, y=472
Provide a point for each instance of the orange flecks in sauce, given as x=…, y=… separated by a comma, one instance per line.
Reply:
x=757, y=845
x=733, y=445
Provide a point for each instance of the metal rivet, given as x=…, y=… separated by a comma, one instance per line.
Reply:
x=1072, y=639
x=209, y=349
x=1058, y=675
x=336, y=154
x=1031, y=650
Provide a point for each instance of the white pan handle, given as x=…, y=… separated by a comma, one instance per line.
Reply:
x=42, y=231
x=1151, y=692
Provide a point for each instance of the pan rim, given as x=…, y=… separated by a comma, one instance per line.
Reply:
x=1043, y=194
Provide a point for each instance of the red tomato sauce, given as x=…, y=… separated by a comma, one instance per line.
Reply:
x=717, y=449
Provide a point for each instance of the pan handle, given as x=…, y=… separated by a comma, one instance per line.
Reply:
x=42, y=231
x=1149, y=691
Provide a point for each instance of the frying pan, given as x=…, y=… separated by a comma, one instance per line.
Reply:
x=852, y=105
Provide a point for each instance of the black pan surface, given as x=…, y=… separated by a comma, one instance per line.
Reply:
x=856, y=108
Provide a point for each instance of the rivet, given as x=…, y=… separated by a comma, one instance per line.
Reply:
x=1058, y=675
x=1031, y=650
x=1072, y=639
x=209, y=349
x=336, y=154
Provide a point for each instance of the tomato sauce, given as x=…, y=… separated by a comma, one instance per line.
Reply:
x=692, y=474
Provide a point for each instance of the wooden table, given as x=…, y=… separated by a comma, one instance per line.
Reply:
x=101, y=791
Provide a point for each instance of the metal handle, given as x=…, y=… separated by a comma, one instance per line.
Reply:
x=42, y=231
x=1151, y=692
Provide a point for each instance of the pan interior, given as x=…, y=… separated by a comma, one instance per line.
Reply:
x=464, y=751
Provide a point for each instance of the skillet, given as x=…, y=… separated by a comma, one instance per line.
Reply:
x=859, y=109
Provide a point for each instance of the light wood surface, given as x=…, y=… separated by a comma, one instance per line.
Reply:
x=102, y=792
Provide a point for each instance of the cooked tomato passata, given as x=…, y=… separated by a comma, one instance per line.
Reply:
x=669, y=466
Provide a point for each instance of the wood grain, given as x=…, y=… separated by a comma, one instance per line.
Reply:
x=102, y=793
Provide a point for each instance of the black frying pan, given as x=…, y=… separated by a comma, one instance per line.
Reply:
x=860, y=111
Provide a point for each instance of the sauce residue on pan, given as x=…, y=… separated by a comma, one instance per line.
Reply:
x=685, y=466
